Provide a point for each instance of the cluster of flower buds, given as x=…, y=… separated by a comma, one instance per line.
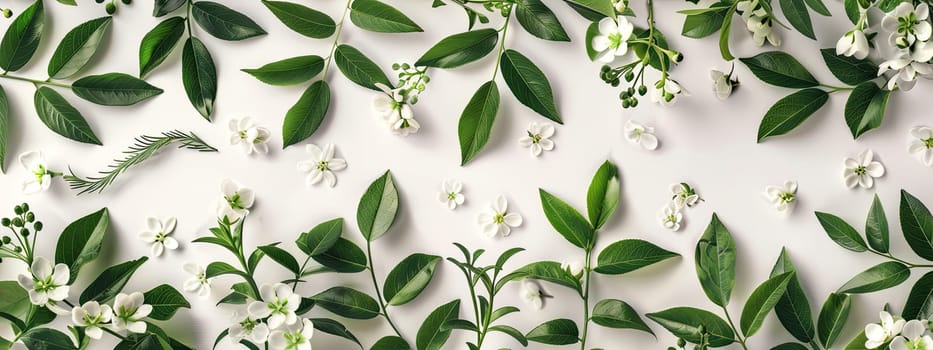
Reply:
x=503, y=7
x=111, y=5
x=23, y=227
x=613, y=76
x=702, y=345
x=411, y=80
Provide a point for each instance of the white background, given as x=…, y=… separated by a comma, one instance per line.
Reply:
x=704, y=141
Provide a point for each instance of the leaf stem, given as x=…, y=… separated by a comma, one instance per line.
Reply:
x=586, y=297
x=35, y=82
x=814, y=344
x=902, y=261
x=504, y=30
x=113, y=333
x=382, y=303
x=188, y=17
x=738, y=336
x=300, y=272
x=333, y=46
x=833, y=88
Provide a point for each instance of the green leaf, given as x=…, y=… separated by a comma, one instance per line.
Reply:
x=282, y=257
x=539, y=20
x=789, y=346
x=391, y=343
x=409, y=278
x=724, y=32
x=790, y=111
x=613, y=313
x=302, y=19
x=762, y=300
x=14, y=300
x=849, y=70
x=793, y=309
x=78, y=47
x=347, y=302
x=219, y=268
x=68, y=2
x=114, y=89
x=852, y=10
x=919, y=305
x=359, y=68
x=602, y=197
x=549, y=271
x=22, y=38
x=567, y=221
x=603, y=7
x=715, y=262
x=889, y=5
x=833, y=317
x=555, y=332
x=917, y=224
x=799, y=17
x=858, y=343
x=378, y=208
x=706, y=23
x=321, y=238
x=477, y=120
x=459, y=49
x=818, y=7
x=223, y=22
x=876, y=227
x=111, y=281
x=865, y=108
x=165, y=301
x=345, y=257
x=145, y=341
x=47, y=339
x=685, y=322
x=163, y=7
x=159, y=43
x=655, y=60
x=629, y=255
x=306, y=115
x=61, y=117
x=333, y=327
x=199, y=76
x=529, y=84
x=780, y=69
x=376, y=16
x=81, y=241
x=841, y=232
x=591, y=32
x=4, y=127
x=289, y=71
x=512, y=332
x=879, y=277
x=431, y=335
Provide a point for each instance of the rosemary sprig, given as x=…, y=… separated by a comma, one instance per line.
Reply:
x=145, y=147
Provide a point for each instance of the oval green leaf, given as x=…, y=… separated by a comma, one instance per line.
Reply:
x=81, y=241
x=876, y=227
x=303, y=119
x=762, y=301
x=78, y=47
x=359, y=68
x=378, y=208
x=46, y=339
x=790, y=111
x=561, y=331
x=529, y=84
x=282, y=257
x=432, y=335
x=289, y=71
x=602, y=197
x=165, y=301
x=629, y=255
x=833, y=318
x=849, y=70
x=347, y=302
x=715, y=262
x=865, y=108
x=163, y=7
x=613, y=313
x=685, y=322
x=114, y=89
x=793, y=310
x=409, y=278
x=799, y=17
x=780, y=69
x=919, y=305
x=22, y=38
x=111, y=281
x=879, y=277
x=459, y=49
x=539, y=20
x=391, y=343
x=567, y=221
x=199, y=76
x=321, y=238
x=344, y=256
x=302, y=19
x=61, y=117
x=223, y=22
x=376, y=16
x=476, y=121
x=841, y=232
x=158, y=43
x=917, y=224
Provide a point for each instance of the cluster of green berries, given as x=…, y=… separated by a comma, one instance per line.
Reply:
x=613, y=76
x=702, y=345
x=23, y=224
x=412, y=80
x=111, y=7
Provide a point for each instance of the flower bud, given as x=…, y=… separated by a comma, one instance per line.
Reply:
x=629, y=76
x=395, y=66
x=127, y=2
x=642, y=90
x=111, y=8
x=7, y=13
x=18, y=210
x=17, y=249
x=17, y=222
x=30, y=217
x=5, y=222
x=6, y=239
x=24, y=232
x=37, y=226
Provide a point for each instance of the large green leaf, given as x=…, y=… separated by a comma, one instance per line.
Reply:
x=799, y=17
x=4, y=127
x=432, y=335
x=159, y=43
x=111, y=281
x=818, y=7
x=61, y=117
x=81, y=241
x=22, y=38
x=347, y=302
x=917, y=224
x=114, y=89
x=391, y=343
x=282, y=257
x=289, y=71
x=163, y=7
x=47, y=339
x=459, y=49
x=841, y=232
x=376, y=16
x=199, y=76
x=876, y=227
x=762, y=300
x=603, y=7
x=629, y=255
x=321, y=238
x=919, y=305
x=715, y=262
x=165, y=301
x=793, y=309
x=685, y=322
x=529, y=84
x=602, y=197
x=833, y=318
x=409, y=278
x=359, y=68
x=14, y=300
x=790, y=111
x=306, y=115
x=865, y=108
x=879, y=277
x=302, y=19
x=78, y=47
x=477, y=120
x=561, y=331
x=223, y=22
x=724, y=32
x=539, y=20
x=333, y=327
x=344, y=256
x=849, y=70
x=567, y=221
x=378, y=207
x=705, y=23
x=615, y=313
x=780, y=69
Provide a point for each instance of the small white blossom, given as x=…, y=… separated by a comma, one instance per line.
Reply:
x=395, y=110
x=758, y=22
x=913, y=337
x=879, y=334
x=236, y=200
x=450, y=195
x=620, y=5
x=862, y=171
x=129, y=310
x=92, y=315
x=538, y=138
x=295, y=337
x=671, y=217
x=908, y=24
x=782, y=197
x=47, y=284
x=40, y=175
x=612, y=40
x=278, y=304
x=532, y=293
x=497, y=220
x=198, y=283
x=322, y=165
x=922, y=144
x=157, y=234
x=906, y=70
x=247, y=327
x=665, y=92
x=252, y=138
x=641, y=135
x=684, y=195
x=853, y=44
x=722, y=84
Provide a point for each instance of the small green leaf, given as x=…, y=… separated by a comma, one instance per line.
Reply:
x=223, y=22
x=347, y=302
x=879, y=277
x=333, y=327
x=477, y=120
x=724, y=32
x=163, y=7
x=77, y=48
x=359, y=68
x=615, y=313
x=302, y=19
x=833, y=317
x=459, y=49
x=919, y=305
x=853, y=10
x=321, y=238
x=790, y=346
x=799, y=17
x=114, y=89
x=603, y=7
x=61, y=117
x=917, y=224
x=858, y=343
x=629, y=255
x=529, y=84
x=47, y=339
x=591, y=32
x=512, y=332
x=282, y=257
x=431, y=335
x=159, y=43
x=567, y=221
x=220, y=268
x=602, y=197
x=849, y=70
x=378, y=208
x=345, y=257
x=539, y=20
x=4, y=127
x=819, y=7
x=199, y=76
x=793, y=309
x=780, y=69
x=409, y=278
x=165, y=301
x=376, y=16
x=289, y=71
x=865, y=108
x=790, y=111
x=549, y=271
x=876, y=227
x=685, y=322
x=391, y=343
x=111, y=281
x=762, y=300
x=841, y=232
x=81, y=241
x=22, y=38
x=306, y=115
x=706, y=23
x=555, y=332
x=715, y=262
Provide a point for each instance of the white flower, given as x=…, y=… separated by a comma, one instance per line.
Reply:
x=620, y=5
x=907, y=24
x=247, y=327
x=394, y=109
x=906, y=71
x=92, y=315
x=496, y=220
x=912, y=337
x=296, y=337
x=783, y=197
x=41, y=176
x=250, y=137
x=236, y=200
x=532, y=293
x=854, y=44
x=157, y=233
x=671, y=217
x=612, y=40
x=758, y=22
x=641, y=135
x=538, y=138
x=450, y=195
x=198, y=283
x=129, y=310
x=46, y=284
x=862, y=171
x=684, y=195
x=722, y=84
x=322, y=165
x=666, y=91
x=278, y=304
x=922, y=144
x=878, y=334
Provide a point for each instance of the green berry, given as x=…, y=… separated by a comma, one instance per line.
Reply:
x=111, y=8
x=17, y=222
x=30, y=217
x=24, y=232
x=5, y=222
x=37, y=226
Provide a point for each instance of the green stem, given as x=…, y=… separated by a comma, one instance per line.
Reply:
x=188, y=18
x=814, y=344
x=481, y=331
x=35, y=82
x=382, y=303
x=902, y=261
x=833, y=88
x=250, y=280
x=735, y=330
x=333, y=47
x=113, y=333
x=300, y=272
x=504, y=30
x=586, y=298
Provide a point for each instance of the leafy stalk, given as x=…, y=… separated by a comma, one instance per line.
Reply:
x=587, y=269
x=382, y=303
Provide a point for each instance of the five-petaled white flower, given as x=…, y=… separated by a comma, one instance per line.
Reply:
x=532, y=293
x=684, y=195
x=908, y=24
x=128, y=312
x=538, y=138
x=782, y=197
x=294, y=337
x=879, y=334
x=497, y=220
x=278, y=304
x=450, y=195
x=236, y=200
x=665, y=92
x=641, y=135
x=922, y=144
x=863, y=170
x=47, y=284
x=157, y=233
x=252, y=138
x=322, y=165
x=722, y=83
x=395, y=110
x=92, y=315
x=198, y=283
x=40, y=175
x=854, y=44
x=612, y=40
x=913, y=337
x=671, y=216
x=759, y=22
x=247, y=327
